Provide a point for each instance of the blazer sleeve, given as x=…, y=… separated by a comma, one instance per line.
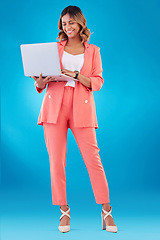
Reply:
x=96, y=76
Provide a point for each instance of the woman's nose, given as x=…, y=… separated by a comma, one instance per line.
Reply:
x=68, y=27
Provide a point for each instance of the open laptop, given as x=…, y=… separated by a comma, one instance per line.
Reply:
x=42, y=58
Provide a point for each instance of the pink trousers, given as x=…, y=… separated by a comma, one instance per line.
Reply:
x=56, y=142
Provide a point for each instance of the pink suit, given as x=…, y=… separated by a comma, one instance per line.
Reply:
x=74, y=108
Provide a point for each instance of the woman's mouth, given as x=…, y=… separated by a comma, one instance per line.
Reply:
x=69, y=32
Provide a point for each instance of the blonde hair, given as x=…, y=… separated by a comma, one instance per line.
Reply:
x=75, y=13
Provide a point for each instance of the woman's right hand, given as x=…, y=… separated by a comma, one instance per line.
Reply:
x=41, y=82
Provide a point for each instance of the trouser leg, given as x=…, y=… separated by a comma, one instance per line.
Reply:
x=87, y=143
x=56, y=142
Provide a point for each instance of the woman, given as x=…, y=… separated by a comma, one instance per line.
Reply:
x=71, y=105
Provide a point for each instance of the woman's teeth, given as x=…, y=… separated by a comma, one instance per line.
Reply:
x=70, y=31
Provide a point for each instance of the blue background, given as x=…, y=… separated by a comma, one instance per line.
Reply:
x=128, y=113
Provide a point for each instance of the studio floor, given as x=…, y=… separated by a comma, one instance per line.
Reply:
x=28, y=216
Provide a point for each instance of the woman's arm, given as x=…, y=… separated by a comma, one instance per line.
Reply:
x=83, y=79
x=86, y=81
x=96, y=77
x=95, y=81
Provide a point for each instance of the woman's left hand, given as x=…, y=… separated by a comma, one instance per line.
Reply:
x=68, y=73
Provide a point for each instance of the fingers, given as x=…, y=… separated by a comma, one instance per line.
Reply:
x=41, y=79
x=46, y=79
x=35, y=78
x=50, y=79
x=64, y=71
x=68, y=72
x=40, y=76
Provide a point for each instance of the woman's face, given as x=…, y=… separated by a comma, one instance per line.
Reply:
x=70, y=26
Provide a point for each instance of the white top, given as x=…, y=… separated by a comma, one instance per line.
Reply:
x=72, y=62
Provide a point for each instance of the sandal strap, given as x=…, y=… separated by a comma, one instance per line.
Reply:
x=107, y=213
x=65, y=213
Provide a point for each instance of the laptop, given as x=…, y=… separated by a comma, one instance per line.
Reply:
x=42, y=58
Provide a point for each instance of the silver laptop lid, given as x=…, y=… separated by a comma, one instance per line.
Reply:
x=40, y=58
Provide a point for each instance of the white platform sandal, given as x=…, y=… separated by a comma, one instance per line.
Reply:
x=108, y=228
x=65, y=228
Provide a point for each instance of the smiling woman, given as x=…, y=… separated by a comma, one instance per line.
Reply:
x=69, y=19
x=71, y=105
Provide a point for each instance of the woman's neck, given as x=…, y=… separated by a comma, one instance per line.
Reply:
x=74, y=42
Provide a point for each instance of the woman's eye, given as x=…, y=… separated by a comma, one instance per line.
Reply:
x=69, y=23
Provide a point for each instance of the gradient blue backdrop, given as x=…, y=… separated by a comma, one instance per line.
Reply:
x=128, y=113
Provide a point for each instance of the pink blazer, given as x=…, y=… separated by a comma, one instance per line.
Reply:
x=84, y=111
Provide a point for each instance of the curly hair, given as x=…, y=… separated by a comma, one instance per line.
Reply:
x=75, y=13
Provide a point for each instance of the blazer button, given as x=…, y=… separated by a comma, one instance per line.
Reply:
x=49, y=96
x=86, y=101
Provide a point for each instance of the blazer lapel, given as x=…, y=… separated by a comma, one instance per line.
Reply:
x=61, y=50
